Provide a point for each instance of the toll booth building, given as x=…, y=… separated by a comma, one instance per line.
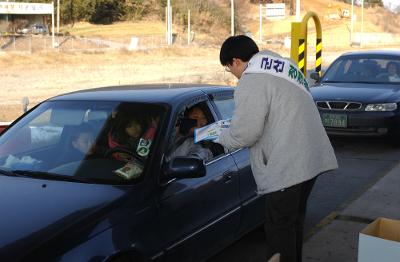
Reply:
x=16, y=16
x=6, y=20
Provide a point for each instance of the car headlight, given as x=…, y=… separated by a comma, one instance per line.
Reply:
x=381, y=107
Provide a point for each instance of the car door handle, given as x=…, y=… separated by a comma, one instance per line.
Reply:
x=227, y=176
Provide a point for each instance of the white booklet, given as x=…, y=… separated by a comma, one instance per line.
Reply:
x=212, y=131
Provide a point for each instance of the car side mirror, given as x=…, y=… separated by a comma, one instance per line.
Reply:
x=185, y=167
x=315, y=76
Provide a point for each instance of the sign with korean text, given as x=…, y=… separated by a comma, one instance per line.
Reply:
x=275, y=11
x=25, y=8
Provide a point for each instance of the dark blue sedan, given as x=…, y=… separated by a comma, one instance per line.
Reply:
x=70, y=190
x=360, y=94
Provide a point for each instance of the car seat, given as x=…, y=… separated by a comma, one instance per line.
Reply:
x=370, y=69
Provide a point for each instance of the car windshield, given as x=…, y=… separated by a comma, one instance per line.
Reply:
x=366, y=69
x=104, y=142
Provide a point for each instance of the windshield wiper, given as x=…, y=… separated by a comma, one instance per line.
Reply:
x=365, y=82
x=332, y=81
x=7, y=172
x=50, y=176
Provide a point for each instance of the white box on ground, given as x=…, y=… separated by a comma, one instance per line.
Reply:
x=380, y=241
x=287, y=42
x=133, y=44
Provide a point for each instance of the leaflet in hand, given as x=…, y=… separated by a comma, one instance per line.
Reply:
x=212, y=131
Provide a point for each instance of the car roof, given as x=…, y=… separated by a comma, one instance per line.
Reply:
x=149, y=93
x=373, y=52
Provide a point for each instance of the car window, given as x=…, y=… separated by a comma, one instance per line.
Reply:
x=226, y=107
x=182, y=138
x=95, y=141
x=42, y=132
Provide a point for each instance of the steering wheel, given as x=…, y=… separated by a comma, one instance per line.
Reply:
x=119, y=149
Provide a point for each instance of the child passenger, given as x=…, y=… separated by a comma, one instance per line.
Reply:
x=82, y=144
x=126, y=134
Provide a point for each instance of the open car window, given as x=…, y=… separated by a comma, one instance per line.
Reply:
x=93, y=141
x=225, y=106
x=182, y=139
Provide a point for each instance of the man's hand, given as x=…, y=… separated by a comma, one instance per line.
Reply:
x=216, y=140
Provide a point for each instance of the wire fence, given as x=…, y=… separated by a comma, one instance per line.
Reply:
x=34, y=43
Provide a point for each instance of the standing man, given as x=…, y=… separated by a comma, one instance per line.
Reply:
x=276, y=118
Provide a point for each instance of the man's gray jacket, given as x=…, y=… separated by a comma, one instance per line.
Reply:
x=280, y=124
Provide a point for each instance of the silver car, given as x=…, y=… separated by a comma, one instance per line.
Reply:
x=38, y=29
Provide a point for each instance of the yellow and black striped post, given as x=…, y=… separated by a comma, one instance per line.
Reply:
x=318, y=54
x=302, y=49
x=298, y=51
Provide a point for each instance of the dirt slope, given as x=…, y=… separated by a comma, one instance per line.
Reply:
x=376, y=20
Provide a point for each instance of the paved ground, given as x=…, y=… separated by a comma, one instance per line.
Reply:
x=362, y=162
x=335, y=214
x=338, y=240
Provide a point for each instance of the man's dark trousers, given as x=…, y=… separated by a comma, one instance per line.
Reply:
x=285, y=213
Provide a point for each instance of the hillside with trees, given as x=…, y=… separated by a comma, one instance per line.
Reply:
x=108, y=11
x=205, y=13
x=210, y=19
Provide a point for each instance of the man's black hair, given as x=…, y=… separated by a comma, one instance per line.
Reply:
x=239, y=46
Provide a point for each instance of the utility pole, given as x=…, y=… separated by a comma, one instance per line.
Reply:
x=58, y=17
x=52, y=26
x=232, y=18
x=297, y=10
x=362, y=22
x=166, y=25
x=260, y=22
x=352, y=22
x=169, y=23
x=189, y=33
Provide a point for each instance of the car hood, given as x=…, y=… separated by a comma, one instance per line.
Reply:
x=33, y=210
x=356, y=92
